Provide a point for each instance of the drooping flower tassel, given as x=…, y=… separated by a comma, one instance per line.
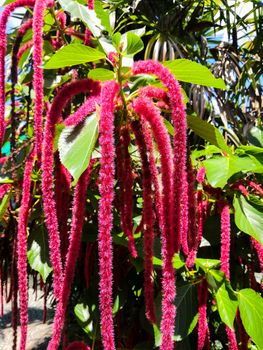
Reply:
x=22, y=250
x=72, y=255
x=54, y=115
x=20, y=33
x=192, y=226
x=224, y=257
x=154, y=173
x=179, y=119
x=87, y=40
x=106, y=177
x=3, y=23
x=202, y=321
x=145, y=108
x=124, y=173
x=38, y=79
x=256, y=187
x=148, y=222
x=23, y=49
x=259, y=249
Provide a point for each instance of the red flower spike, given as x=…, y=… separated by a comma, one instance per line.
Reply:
x=148, y=222
x=72, y=255
x=192, y=226
x=256, y=187
x=3, y=23
x=23, y=49
x=54, y=115
x=126, y=184
x=232, y=342
x=38, y=79
x=180, y=128
x=202, y=321
x=201, y=175
x=225, y=238
x=259, y=249
x=154, y=172
x=106, y=176
x=145, y=108
x=22, y=249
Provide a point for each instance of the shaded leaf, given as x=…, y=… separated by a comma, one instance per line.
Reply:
x=76, y=144
x=249, y=217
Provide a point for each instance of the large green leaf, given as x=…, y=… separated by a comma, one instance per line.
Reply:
x=255, y=136
x=73, y=54
x=132, y=43
x=37, y=253
x=76, y=144
x=227, y=304
x=251, y=306
x=220, y=169
x=249, y=217
x=215, y=278
x=255, y=153
x=89, y=17
x=207, y=264
x=101, y=74
x=208, y=132
x=193, y=72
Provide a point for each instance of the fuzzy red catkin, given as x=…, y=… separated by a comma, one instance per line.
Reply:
x=54, y=115
x=224, y=257
x=192, y=227
x=124, y=172
x=180, y=128
x=23, y=49
x=72, y=255
x=201, y=175
x=4, y=189
x=83, y=111
x=87, y=40
x=225, y=238
x=145, y=108
x=202, y=321
x=259, y=249
x=22, y=249
x=148, y=222
x=154, y=172
x=256, y=187
x=105, y=216
x=3, y=22
x=38, y=79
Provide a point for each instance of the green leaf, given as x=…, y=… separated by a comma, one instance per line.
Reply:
x=101, y=74
x=103, y=15
x=73, y=54
x=255, y=136
x=220, y=169
x=207, y=264
x=208, y=132
x=255, y=153
x=251, y=306
x=4, y=204
x=249, y=218
x=227, y=304
x=116, y=39
x=89, y=17
x=84, y=318
x=76, y=144
x=193, y=72
x=132, y=44
x=37, y=253
x=215, y=278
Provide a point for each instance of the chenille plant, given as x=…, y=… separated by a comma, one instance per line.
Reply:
x=101, y=165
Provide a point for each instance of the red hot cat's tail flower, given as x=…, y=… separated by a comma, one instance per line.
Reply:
x=148, y=222
x=145, y=108
x=106, y=141
x=38, y=79
x=202, y=321
x=3, y=23
x=78, y=216
x=225, y=238
x=180, y=128
x=22, y=250
x=54, y=115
